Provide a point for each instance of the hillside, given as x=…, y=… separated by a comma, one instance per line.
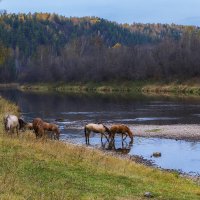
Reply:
x=28, y=31
x=50, y=48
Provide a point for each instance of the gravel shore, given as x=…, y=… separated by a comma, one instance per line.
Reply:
x=179, y=131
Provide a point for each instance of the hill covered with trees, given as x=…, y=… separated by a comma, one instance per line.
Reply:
x=45, y=47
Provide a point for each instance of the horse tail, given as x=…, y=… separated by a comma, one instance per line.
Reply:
x=85, y=131
x=6, y=122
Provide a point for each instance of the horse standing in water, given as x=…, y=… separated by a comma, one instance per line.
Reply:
x=96, y=128
x=120, y=128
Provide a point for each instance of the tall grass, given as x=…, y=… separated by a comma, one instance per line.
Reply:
x=37, y=169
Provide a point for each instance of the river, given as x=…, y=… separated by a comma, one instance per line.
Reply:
x=72, y=111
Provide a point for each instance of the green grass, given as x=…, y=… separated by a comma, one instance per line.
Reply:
x=36, y=169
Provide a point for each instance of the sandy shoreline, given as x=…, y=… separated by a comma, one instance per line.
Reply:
x=179, y=131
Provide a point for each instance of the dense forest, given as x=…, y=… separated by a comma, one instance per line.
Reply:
x=45, y=47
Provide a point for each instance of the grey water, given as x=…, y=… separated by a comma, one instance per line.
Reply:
x=72, y=111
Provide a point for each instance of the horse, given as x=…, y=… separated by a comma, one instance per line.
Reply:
x=22, y=124
x=53, y=128
x=29, y=126
x=38, y=127
x=96, y=128
x=120, y=128
x=12, y=123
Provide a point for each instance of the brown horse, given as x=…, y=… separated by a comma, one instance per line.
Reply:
x=38, y=127
x=53, y=128
x=96, y=128
x=120, y=128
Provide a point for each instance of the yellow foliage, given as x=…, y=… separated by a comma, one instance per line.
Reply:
x=117, y=45
x=42, y=16
x=4, y=54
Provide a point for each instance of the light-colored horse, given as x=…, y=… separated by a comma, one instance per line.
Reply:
x=96, y=128
x=123, y=129
x=11, y=123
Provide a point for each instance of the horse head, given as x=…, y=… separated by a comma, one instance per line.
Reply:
x=22, y=123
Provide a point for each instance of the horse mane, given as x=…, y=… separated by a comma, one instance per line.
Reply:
x=107, y=129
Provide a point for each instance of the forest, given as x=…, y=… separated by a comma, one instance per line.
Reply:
x=43, y=47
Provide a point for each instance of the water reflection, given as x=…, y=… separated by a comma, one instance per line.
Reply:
x=125, y=147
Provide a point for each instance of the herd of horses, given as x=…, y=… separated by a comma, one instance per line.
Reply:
x=42, y=129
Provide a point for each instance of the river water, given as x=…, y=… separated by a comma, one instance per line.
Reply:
x=72, y=111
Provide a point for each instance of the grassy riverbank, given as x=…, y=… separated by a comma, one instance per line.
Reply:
x=146, y=87
x=31, y=169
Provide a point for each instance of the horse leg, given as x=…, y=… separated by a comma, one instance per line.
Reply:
x=85, y=130
x=122, y=136
x=106, y=137
x=52, y=136
x=125, y=136
x=87, y=136
x=17, y=130
x=112, y=136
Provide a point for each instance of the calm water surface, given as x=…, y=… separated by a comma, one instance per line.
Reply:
x=71, y=112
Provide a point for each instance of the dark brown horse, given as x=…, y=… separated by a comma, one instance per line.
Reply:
x=120, y=128
x=38, y=127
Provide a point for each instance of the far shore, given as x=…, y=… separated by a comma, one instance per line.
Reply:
x=188, y=88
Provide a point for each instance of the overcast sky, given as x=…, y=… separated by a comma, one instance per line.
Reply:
x=185, y=12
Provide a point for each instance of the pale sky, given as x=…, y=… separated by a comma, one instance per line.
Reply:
x=186, y=12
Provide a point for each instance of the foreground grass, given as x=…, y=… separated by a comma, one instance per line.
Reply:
x=146, y=87
x=31, y=169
